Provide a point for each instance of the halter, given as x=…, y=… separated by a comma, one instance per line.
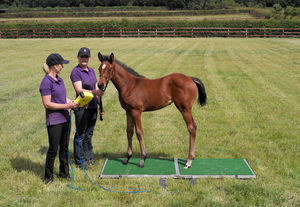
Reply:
x=106, y=78
x=107, y=81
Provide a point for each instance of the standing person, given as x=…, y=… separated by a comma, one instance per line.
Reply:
x=84, y=80
x=53, y=92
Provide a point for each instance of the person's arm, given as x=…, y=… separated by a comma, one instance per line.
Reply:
x=78, y=88
x=56, y=106
x=98, y=95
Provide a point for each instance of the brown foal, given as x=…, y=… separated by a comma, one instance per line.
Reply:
x=138, y=94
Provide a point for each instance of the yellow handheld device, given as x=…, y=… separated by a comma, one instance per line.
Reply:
x=84, y=98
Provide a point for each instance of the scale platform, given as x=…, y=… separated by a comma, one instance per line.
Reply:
x=174, y=168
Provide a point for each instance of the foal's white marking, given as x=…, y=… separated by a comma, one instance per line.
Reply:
x=103, y=67
x=188, y=164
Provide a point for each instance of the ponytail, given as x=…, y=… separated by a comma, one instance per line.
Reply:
x=46, y=69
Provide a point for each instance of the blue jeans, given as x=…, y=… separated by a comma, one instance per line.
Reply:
x=85, y=124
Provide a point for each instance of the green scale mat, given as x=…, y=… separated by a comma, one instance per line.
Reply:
x=157, y=167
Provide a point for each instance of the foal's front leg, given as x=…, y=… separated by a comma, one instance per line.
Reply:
x=129, y=130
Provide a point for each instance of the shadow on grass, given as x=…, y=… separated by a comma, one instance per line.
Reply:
x=120, y=160
x=43, y=150
x=105, y=155
x=21, y=164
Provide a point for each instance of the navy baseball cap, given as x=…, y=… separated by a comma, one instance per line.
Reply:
x=55, y=59
x=84, y=51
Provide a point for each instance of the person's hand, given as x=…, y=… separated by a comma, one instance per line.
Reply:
x=101, y=112
x=98, y=92
x=72, y=105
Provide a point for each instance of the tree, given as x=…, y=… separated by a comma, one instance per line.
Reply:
x=290, y=12
x=277, y=11
x=63, y=3
x=176, y=4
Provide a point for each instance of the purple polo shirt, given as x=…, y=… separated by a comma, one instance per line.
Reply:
x=88, y=79
x=58, y=93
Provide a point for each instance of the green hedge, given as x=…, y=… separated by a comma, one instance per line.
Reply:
x=72, y=9
x=128, y=13
x=95, y=13
x=150, y=24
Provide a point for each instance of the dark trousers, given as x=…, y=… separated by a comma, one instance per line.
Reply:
x=85, y=124
x=58, y=135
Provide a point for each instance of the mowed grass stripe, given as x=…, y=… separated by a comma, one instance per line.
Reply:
x=220, y=98
x=263, y=81
x=280, y=99
x=261, y=116
x=273, y=60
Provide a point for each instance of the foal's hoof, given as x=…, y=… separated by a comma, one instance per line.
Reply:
x=141, y=164
x=126, y=160
x=188, y=164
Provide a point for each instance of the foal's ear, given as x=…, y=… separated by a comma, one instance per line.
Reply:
x=111, y=58
x=100, y=56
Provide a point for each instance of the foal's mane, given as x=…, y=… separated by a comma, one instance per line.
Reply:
x=127, y=68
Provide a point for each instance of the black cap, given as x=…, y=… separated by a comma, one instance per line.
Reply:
x=55, y=59
x=84, y=51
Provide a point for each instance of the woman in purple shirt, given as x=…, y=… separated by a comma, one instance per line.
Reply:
x=53, y=94
x=84, y=80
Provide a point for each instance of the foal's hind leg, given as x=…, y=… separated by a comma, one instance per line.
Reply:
x=137, y=117
x=130, y=125
x=192, y=128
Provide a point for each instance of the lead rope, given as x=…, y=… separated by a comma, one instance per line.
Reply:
x=68, y=135
x=101, y=108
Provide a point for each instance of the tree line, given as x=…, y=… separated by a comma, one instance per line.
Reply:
x=170, y=4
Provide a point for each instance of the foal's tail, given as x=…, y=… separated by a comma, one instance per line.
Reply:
x=201, y=91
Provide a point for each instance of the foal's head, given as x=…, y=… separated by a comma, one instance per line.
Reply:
x=106, y=70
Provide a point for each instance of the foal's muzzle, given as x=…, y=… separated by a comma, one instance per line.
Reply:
x=101, y=87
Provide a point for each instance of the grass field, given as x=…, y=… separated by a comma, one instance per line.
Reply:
x=150, y=18
x=252, y=112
